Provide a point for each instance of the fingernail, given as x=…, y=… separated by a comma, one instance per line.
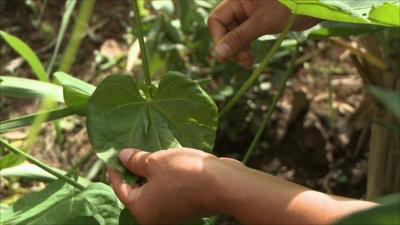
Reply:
x=223, y=50
x=124, y=155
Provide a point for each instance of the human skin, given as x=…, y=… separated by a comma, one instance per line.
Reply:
x=187, y=183
x=234, y=24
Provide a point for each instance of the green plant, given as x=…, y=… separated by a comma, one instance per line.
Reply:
x=159, y=117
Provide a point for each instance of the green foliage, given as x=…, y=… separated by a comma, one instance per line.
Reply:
x=59, y=203
x=385, y=214
x=69, y=8
x=121, y=114
x=28, y=88
x=29, y=119
x=388, y=98
x=79, y=31
x=384, y=13
x=26, y=53
x=76, y=92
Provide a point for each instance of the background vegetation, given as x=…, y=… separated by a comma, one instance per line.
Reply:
x=336, y=128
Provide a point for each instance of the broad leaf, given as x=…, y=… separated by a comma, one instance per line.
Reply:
x=389, y=98
x=27, y=53
x=76, y=92
x=28, y=88
x=379, y=12
x=121, y=115
x=60, y=203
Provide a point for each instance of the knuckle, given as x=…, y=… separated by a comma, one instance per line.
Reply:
x=237, y=37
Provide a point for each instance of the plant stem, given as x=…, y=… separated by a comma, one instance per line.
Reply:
x=141, y=43
x=271, y=110
x=259, y=69
x=41, y=165
x=69, y=8
x=27, y=120
x=82, y=161
x=85, y=12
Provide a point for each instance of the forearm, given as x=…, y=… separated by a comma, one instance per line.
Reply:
x=254, y=197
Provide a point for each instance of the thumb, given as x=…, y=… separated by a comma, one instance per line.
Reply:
x=135, y=161
x=237, y=39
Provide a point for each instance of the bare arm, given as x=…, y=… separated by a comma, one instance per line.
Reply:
x=187, y=183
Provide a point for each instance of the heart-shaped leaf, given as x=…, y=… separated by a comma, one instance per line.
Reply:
x=122, y=115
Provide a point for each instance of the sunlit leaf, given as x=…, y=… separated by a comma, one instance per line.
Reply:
x=76, y=92
x=27, y=53
x=120, y=115
x=28, y=88
x=377, y=12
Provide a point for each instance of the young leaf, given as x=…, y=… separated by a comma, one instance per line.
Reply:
x=27, y=53
x=384, y=13
x=389, y=98
x=76, y=92
x=121, y=116
x=60, y=203
x=28, y=88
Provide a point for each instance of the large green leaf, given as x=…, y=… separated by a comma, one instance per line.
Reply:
x=380, y=12
x=121, y=115
x=27, y=53
x=60, y=203
x=28, y=88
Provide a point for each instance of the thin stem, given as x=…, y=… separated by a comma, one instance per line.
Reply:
x=141, y=43
x=28, y=120
x=41, y=165
x=259, y=69
x=271, y=110
x=82, y=161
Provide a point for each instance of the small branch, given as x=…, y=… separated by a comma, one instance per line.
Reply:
x=41, y=165
x=259, y=69
x=143, y=50
x=271, y=110
x=362, y=53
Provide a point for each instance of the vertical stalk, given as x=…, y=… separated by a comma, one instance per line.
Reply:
x=271, y=110
x=141, y=43
x=85, y=12
x=259, y=69
x=69, y=8
x=41, y=165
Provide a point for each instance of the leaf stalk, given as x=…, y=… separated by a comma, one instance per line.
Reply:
x=141, y=43
x=271, y=110
x=259, y=69
x=41, y=165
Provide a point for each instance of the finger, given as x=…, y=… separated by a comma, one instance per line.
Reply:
x=244, y=58
x=223, y=16
x=135, y=161
x=121, y=189
x=237, y=39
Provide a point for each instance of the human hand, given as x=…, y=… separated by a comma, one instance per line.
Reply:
x=181, y=184
x=234, y=24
